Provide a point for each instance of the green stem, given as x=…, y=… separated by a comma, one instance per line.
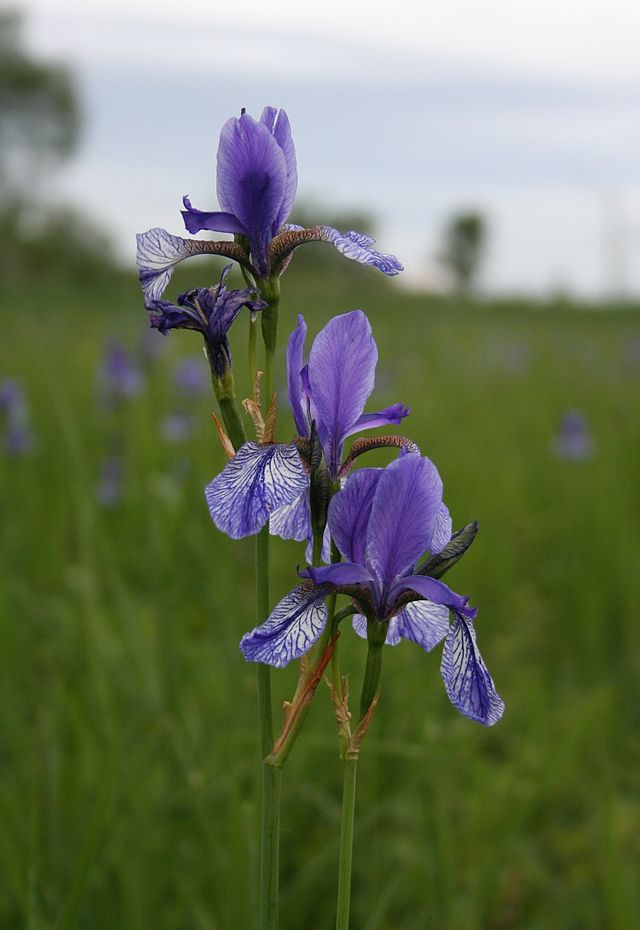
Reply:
x=349, y=771
x=271, y=775
x=232, y=421
x=270, y=291
x=270, y=846
x=253, y=365
x=376, y=634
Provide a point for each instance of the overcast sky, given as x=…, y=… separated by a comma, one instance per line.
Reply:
x=405, y=110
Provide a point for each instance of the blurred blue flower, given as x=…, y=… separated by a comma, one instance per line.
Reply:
x=119, y=377
x=256, y=180
x=177, y=427
x=111, y=481
x=18, y=439
x=573, y=441
x=383, y=521
x=192, y=378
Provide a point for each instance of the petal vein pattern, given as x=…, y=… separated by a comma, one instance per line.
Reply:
x=257, y=481
x=292, y=628
x=466, y=678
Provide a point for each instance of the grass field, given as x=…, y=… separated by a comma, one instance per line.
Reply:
x=129, y=757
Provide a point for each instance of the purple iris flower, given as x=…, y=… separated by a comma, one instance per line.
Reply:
x=257, y=180
x=270, y=480
x=382, y=522
x=210, y=311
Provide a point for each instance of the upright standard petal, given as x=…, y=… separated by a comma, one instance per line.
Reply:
x=158, y=252
x=349, y=512
x=342, y=366
x=403, y=515
x=467, y=681
x=254, y=483
x=252, y=180
x=278, y=125
x=295, y=363
x=293, y=627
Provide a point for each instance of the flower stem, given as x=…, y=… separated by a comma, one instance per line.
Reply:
x=271, y=775
x=376, y=634
x=270, y=291
x=232, y=421
x=253, y=365
x=349, y=771
x=270, y=846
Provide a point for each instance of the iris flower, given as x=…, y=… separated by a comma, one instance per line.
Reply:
x=382, y=522
x=270, y=480
x=256, y=180
x=210, y=311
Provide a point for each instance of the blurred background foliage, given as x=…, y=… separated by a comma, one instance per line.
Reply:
x=128, y=745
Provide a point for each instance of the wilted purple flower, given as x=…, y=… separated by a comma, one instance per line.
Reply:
x=382, y=522
x=109, y=489
x=119, y=377
x=191, y=378
x=267, y=480
x=210, y=311
x=573, y=440
x=256, y=180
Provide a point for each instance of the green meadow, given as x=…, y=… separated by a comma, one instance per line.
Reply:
x=129, y=765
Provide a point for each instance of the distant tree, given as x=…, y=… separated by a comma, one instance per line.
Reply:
x=39, y=129
x=463, y=248
x=39, y=114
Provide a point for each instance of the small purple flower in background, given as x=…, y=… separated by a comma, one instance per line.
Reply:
x=269, y=481
x=119, y=377
x=383, y=522
x=152, y=346
x=256, y=181
x=177, y=427
x=573, y=441
x=192, y=378
x=110, y=482
x=18, y=438
x=13, y=403
x=19, y=441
